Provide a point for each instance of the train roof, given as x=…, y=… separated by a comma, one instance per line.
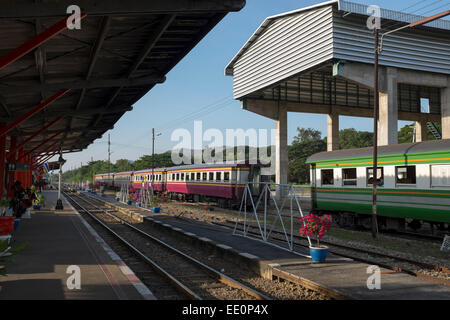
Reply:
x=395, y=149
x=150, y=170
x=208, y=165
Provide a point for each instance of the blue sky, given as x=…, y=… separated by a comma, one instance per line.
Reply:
x=198, y=82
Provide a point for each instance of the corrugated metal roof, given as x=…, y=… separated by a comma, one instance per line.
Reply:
x=403, y=149
x=121, y=51
x=344, y=6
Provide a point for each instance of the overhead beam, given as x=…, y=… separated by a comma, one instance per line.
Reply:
x=34, y=42
x=145, y=51
x=36, y=134
x=32, y=112
x=268, y=108
x=83, y=84
x=71, y=130
x=73, y=113
x=41, y=144
x=12, y=9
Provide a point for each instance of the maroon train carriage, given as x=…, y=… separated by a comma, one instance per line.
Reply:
x=223, y=183
x=143, y=178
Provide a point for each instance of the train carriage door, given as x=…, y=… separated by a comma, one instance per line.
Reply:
x=313, y=186
x=163, y=181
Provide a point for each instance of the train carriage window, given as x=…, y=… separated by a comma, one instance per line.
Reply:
x=226, y=176
x=204, y=176
x=198, y=176
x=211, y=176
x=327, y=176
x=405, y=175
x=440, y=175
x=182, y=177
x=178, y=176
x=218, y=176
x=380, y=176
x=173, y=176
x=349, y=177
x=188, y=176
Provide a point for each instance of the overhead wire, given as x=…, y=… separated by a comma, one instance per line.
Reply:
x=394, y=24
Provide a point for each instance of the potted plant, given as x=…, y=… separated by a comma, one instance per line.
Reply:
x=39, y=201
x=155, y=204
x=315, y=226
x=117, y=196
x=130, y=200
x=3, y=205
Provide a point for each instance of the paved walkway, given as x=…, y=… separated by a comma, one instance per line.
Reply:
x=55, y=241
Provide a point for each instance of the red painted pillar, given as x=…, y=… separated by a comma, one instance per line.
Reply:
x=19, y=174
x=30, y=172
x=2, y=163
x=12, y=156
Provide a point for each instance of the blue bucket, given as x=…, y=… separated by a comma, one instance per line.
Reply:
x=156, y=210
x=37, y=207
x=16, y=223
x=318, y=254
x=130, y=203
x=117, y=199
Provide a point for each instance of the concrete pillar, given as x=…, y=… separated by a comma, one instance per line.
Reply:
x=388, y=116
x=445, y=110
x=421, y=131
x=332, y=132
x=281, y=157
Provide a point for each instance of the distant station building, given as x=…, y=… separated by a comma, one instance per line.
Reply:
x=320, y=59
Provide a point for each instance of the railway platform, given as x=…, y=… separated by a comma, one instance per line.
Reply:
x=57, y=243
x=339, y=277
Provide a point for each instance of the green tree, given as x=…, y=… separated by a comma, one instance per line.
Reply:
x=306, y=143
x=352, y=139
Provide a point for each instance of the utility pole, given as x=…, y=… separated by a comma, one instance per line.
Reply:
x=375, y=138
x=153, y=154
x=109, y=156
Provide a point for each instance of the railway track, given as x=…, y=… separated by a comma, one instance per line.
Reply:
x=190, y=277
x=391, y=262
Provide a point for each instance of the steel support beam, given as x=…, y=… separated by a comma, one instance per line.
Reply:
x=43, y=143
x=38, y=132
x=117, y=7
x=34, y=42
x=83, y=84
x=32, y=112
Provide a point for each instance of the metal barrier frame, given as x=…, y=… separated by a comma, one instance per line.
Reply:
x=293, y=208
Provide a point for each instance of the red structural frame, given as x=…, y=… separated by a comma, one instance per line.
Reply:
x=38, y=132
x=35, y=42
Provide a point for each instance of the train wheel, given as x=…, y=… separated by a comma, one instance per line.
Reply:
x=415, y=224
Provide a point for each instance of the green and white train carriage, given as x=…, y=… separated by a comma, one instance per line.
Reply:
x=413, y=184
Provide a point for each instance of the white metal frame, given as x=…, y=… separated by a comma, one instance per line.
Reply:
x=294, y=208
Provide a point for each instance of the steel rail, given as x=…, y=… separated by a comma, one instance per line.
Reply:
x=211, y=271
x=180, y=286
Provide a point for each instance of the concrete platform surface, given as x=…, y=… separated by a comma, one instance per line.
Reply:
x=344, y=276
x=55, y=241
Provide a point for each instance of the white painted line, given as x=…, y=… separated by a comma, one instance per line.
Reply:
x=223, y=246
x=205, y=239
x=248, y=255
x=190, y=234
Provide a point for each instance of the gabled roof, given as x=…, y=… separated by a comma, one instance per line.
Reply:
x=344, y=6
